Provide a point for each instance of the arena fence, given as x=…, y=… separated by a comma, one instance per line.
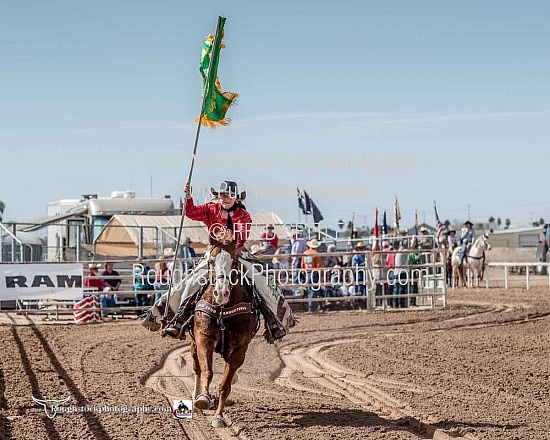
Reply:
x=371, y=284
x=507, y=268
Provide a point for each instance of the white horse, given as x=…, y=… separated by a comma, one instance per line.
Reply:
x=474, y=262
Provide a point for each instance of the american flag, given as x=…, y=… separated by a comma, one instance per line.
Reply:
x=438, y=224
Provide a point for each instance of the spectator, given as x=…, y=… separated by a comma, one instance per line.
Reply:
x=271, y=236
x=107, y=300
x=161, y=278
x=311, y=263
x=425, y=241
x=92, y=280
x=452, y=240
x=281, y=262
x=401, y=276
x=358, y=262
x=108, y=273
x=415, y=259
x=142, y=285
x=379, y=275
x=186, y=253
x=298, y=247
x=331, y=260
x=267, y=248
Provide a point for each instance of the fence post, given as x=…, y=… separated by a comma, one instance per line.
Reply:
x=527, y=276
x=140, y=244
x=487, y=278
x=506, y=277
x=78, y=238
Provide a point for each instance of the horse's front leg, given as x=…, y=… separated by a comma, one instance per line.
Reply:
x=202, y=365
x=232, y=364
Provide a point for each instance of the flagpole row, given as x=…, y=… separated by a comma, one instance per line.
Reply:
x=190, y=175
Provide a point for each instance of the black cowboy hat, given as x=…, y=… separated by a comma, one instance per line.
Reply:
x=468, y=222
x=231, y=188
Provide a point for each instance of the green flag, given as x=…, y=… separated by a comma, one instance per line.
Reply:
x=217, y=101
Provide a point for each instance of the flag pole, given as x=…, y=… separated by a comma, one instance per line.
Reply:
x=190, y=175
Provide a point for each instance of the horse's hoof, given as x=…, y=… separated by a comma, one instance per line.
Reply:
x=218, y=422
x=235, y=379
x=202, y=402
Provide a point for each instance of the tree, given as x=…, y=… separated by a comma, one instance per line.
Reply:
x=541, y=222
x=499, y=222
x=447, y=224
x=350, y=225
x=2, y=208
x=491, y=219
x=341, y=224
x=507, y=223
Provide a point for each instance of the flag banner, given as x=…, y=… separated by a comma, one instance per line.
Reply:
x=415, y=223
x=396, y=217
x=384, y=225
x=301, y=203
x=317, y=216
x=216, y=101
x=41, y=281
x=375, y=246
x=438, y=224
x=308, y=203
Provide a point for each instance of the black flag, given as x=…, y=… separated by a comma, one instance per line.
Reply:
x=301, y=202
x=308, y=203
x=317, y=216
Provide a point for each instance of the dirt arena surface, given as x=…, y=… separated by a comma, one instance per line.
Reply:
x=479, y=369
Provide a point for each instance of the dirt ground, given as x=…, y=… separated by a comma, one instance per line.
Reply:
x=479, y=369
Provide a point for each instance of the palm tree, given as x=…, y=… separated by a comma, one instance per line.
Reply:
x=499, y=222
x=507, y=223
x=491, y=219
x=541, y=221
x=2, y=207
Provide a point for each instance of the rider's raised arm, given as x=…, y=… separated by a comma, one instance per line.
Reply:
x=200, y=213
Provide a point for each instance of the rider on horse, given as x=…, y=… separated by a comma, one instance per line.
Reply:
x=467, y=237
x=226, y=210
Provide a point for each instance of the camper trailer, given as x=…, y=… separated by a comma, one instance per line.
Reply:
x=72, y=223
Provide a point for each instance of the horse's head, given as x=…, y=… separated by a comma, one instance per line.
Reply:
x=222, y=256
x=486, y=242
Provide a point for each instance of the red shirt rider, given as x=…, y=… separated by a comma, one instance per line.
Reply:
x=226, y=211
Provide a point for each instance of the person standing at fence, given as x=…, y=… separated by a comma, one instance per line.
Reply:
x=401, y=276
x=312, y=263
x=111, y=284
x=358, y=263
x=415, y=259
x=143, y=284
x=187, y=254
x=298, y=247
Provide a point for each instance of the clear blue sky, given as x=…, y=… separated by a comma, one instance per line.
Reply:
x=353, y=100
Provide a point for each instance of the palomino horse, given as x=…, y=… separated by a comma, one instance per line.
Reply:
x=225, y=321
x=474, y=261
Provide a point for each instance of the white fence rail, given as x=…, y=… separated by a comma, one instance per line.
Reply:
x=506, y=266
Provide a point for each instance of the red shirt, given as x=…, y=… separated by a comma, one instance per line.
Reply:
x=94, y=283
x=210, y=214
x=273, y=239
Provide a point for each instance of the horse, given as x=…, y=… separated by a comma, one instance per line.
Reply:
x=226, y=319
x=474, y=261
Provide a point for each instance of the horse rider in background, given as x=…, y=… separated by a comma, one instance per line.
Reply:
x=467, y=236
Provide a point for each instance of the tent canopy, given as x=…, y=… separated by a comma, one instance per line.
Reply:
x=123, y=234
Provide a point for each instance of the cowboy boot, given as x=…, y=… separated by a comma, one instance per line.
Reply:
x=175, y=329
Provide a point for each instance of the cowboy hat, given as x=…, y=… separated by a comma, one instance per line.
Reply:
x=468, y=222
x=94, y=265
x=313, y=243
x=360, y=245
x=452, y=230
x=424, y=229
x=168, y=252
x=229, y=187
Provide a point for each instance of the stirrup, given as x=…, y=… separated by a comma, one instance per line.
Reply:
x=175, y=330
